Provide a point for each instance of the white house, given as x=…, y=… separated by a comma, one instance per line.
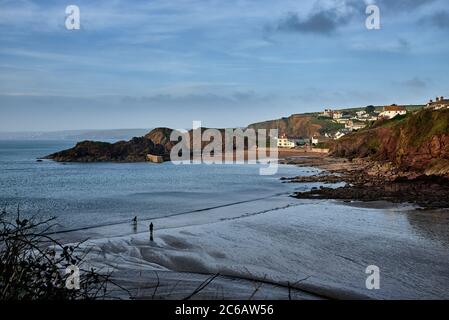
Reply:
x=327, y=113
x=361, y=114
x=337, y=115
x=351, y=125
x=342, y=120
x=284, y=142
x=389, y=112
x=339, y=134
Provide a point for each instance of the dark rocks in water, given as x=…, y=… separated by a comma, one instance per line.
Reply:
x=39, y=160
x=425, y=191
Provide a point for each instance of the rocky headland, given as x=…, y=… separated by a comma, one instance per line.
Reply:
x=156, y=142
x=405, y=159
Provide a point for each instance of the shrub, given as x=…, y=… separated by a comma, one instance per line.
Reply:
x=33, y=264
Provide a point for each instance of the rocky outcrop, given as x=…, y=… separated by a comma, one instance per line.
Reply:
x=161, y=138
x=417, y=143
x=372, y=181
x=156, y=142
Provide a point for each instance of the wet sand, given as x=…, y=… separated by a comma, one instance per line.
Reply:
x=322, y=247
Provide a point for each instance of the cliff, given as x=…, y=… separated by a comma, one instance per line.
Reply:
x=296, y=125
x=418, y=142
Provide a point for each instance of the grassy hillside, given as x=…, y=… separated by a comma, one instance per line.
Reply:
x=418, y=141
x=296, y=125
x=312, y=123
x=300, y=125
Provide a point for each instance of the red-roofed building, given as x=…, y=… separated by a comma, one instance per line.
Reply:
x=389, y=112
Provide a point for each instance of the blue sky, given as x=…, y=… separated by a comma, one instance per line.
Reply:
x=142, y=64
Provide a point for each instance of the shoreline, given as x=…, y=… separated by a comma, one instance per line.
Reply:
x=370, y=181
x=249, y=244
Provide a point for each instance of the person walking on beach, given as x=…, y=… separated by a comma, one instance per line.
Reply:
x=135, y=224
x=151, y=231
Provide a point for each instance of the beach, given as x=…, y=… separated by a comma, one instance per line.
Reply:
x=321, y=251
x=281, y=247
x=225, y=232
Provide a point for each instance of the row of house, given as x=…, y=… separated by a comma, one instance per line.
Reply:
x=388, y=112
x=438, y=104
x=359, y=119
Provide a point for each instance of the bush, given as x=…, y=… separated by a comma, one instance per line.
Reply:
x=33, y=264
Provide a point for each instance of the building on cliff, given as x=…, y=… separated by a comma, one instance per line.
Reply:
x=389, y=112
x=337, y=115
x=352, y=125
x=327, y=113
x=439, y=103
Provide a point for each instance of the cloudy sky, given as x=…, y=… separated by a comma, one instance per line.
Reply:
x=142, y=64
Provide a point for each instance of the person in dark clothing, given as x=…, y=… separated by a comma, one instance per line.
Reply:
x=151, y=231
x=135, y=224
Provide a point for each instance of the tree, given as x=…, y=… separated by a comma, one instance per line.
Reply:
x=370, y=109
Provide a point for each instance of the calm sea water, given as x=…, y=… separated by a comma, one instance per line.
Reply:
x=84, y=194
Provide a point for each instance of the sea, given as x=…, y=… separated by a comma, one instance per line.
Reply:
x=90, y=194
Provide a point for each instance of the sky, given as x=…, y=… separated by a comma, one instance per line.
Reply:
x=227, y=63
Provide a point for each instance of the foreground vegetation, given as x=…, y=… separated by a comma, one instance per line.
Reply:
x=36, y=266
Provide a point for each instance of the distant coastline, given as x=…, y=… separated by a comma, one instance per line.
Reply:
x=75, y=135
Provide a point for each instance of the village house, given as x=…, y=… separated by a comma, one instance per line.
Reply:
x=284, y=142
x=364, y=116
x=339, y=134
x=327, y=113
x=439, y=103
x=351, y=125
x=337, y=115
x=343, y=119
x=389, y=112
x=361, y=114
